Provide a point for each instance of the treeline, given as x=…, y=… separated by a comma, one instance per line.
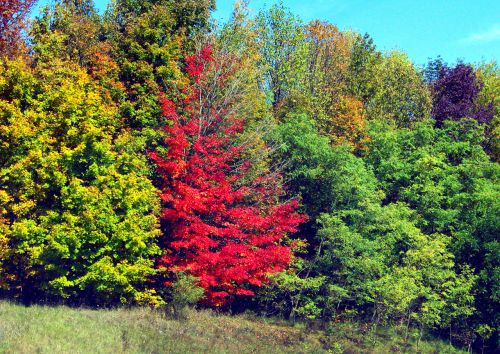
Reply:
x=148, y=156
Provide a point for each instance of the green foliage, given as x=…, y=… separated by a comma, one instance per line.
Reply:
x=48, y=330
x=365, y=255
x=362, y=68
x=325, y=178
x=77, y=209
x=283, y=52
x=390, y=268
x=447, y=178
x=147, y=50
x=185, y=292
x=148, y=40
x=293, y=293
x=400, y=95
x=489, y=76
x=190, y=16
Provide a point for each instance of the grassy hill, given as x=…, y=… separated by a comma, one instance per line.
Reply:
x=41, y=329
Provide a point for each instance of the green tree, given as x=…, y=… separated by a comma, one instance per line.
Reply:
x=389, y=269
x=147, y=50
x=190, y=16
x=447, y=178
x=325, y=178
x=363, y=254
x=400, y=94
x=283, y=53
x=489, y=75
x=148, y=41
x=362, y=68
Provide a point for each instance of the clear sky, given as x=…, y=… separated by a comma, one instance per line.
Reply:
x=454, y=29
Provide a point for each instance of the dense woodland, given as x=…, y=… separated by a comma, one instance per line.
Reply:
x=151, y=157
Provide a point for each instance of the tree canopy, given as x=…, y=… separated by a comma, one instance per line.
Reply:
x=149, y=156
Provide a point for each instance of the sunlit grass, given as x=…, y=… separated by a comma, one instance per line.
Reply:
x=51, y=330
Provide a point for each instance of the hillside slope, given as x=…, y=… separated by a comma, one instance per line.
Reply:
x=63, y=330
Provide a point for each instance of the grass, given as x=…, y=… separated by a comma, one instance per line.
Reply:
x=55, y=330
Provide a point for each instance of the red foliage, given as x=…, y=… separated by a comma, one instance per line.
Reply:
x=224, y=226
x=12, y=21
x=195, y=64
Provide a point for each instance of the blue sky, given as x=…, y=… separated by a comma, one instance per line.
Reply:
x=454, y=29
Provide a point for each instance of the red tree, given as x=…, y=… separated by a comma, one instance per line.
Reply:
x=12, y=20
x=223, y=225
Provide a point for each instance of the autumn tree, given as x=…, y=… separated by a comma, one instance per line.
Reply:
x=339, y=114
x=347, y=123
x=13, y=15
x=400, y=95
x=222, y=227
x=79, y=27
x=489, y=96
x=241, y=96
x=78, y=212
x=236, y=48
x=328, y=59
x=455, y=95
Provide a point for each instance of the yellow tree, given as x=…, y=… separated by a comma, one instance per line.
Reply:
x=489, y=96
x=78, y=211
x=328, y=59
x=339, y=115
x=347, y=124
x=400, y=94
x=79, y=27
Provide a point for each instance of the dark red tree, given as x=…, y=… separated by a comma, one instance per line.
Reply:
x=223, y=225
x=12, y=21
x=455, y=95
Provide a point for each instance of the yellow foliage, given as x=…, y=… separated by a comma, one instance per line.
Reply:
x=346, y=122
x=329, y=58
